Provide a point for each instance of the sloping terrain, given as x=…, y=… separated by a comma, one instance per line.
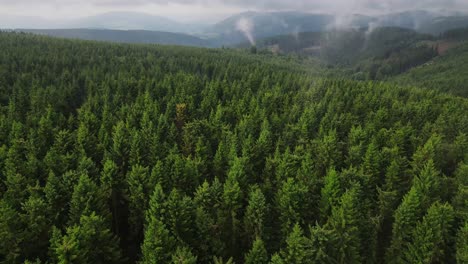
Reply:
x=439, y=25
x=448, y=73
x=132, y=21
x=124, y=36
x=387, y=53
x=346, y=46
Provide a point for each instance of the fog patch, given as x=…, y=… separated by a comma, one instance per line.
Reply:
x=246, y=26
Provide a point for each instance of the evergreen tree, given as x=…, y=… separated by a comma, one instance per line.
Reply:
x=432, y=237
x=411, y=210
x=56, y=196
x=157, y=205
x=330, y=193
x=10, y=233
x=183, y=256
x=35, y=237
x=232, y=198
x=291, y=202
x=276, y=259
x=371, y=168
x=297, y=247
x=219, y=160
x=158, y=244
x=89, y=241
x=139, y=192
x=425, y=153
x=86, y=199
x=219, y=260
x=255, y=215
x=61, y=156
x=344, y=221
x=16, y=190
x=120, y=149
x=462, y=244
x=460, y=200
x=258, y=253
x=180, y=217
x=323, y=245
x=113, y=188
x=329, y=154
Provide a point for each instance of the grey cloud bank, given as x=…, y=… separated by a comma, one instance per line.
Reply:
x=212, y=10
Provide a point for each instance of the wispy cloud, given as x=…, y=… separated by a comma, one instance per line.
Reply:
x=246, y=26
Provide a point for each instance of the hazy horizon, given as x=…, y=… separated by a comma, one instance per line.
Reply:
x=209, y=11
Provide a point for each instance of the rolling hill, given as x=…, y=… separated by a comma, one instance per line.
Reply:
x=439, y=25
x=109, y=20
x=133, y=21
x=124, y=36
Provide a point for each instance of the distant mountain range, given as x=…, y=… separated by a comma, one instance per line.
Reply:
x=135, y=21
x=110, y=20
x=244, y=27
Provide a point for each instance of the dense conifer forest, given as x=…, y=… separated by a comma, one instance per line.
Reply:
x=118, y=153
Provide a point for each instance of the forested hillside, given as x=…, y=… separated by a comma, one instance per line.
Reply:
x=117, y=153
x=235, y=29
x=441, y=24
x=385, y=54
x=124, y=36
x=447, y=73
x=364, y=53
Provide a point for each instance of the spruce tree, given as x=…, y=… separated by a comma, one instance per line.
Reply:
x=255, y=215
x=258, y=253
x=183, y=256
x=432, y=238
x=88, y=241
x=34, y=217
x=330, y=193
x=462, y=244
x=291, y=201
x=297, y=247
x=232, y=198
x=86, y=199
x=411, y=210
x=10, y=229
x=158, y=244
x=345, y=223
x=139, y=192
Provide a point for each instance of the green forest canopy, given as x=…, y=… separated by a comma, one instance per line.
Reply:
x=113, y=153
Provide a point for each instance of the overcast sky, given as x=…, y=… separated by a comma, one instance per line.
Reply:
x=210, y=10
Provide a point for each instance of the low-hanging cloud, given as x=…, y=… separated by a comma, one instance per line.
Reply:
x=217, y=9
x=310, y=5
x=246, y=26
